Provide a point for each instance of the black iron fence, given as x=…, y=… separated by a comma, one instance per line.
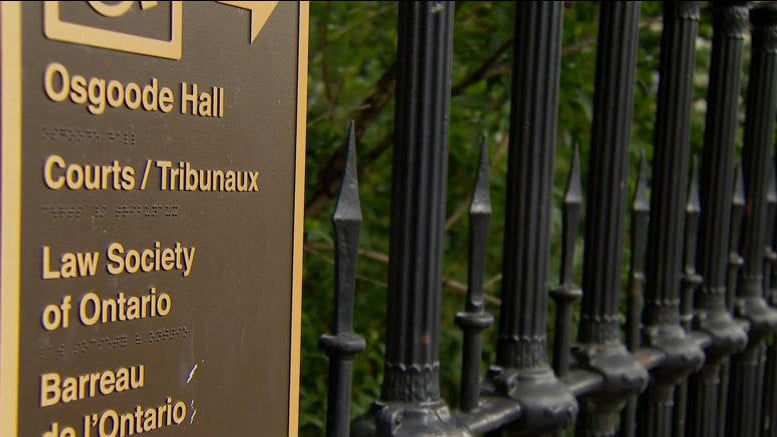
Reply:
x=695, y=355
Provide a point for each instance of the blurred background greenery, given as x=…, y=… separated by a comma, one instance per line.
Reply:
x=352, y=76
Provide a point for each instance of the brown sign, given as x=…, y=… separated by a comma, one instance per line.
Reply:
x=152, y=187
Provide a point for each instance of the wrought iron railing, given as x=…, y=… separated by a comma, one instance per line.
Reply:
x=698, y=357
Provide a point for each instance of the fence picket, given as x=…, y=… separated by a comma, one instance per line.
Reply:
x=704, y=257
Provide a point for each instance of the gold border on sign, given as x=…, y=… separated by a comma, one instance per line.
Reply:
x=10, y=217
x=56, y=29
x=299, y=217
x=10, y=233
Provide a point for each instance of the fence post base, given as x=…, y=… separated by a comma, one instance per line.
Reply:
x=396, y=419
x=546, y=403
x=624, y=378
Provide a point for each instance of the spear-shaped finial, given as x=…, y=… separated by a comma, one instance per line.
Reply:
x=481, y=198
x=640, y=212
x=574, y=193
x=347, y=220
x=474, y=319
x=739, y=188
x=693, y=204
x=770, y=255
x=567, y=292
x=691, y=279
x=344, y=345
x=348, y=206
x=735, y=261
x=573, y=200
x=771, y=199
x=641, y=201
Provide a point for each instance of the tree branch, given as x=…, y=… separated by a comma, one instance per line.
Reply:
x=480, y=73
x=452, y=284
x=330, y=171
x=329, y=174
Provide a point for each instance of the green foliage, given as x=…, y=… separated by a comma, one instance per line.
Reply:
x=352, y=53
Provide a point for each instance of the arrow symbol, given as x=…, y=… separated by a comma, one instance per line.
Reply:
x=260, y=13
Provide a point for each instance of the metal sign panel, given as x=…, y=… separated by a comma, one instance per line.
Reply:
x=152, y=188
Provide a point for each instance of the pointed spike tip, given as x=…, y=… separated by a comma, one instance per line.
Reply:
x=481, y=197
x=771, y=194
x=693, y=204
x=739, y=187
x=348, y=206
x=574, y=193
x=641, y=202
